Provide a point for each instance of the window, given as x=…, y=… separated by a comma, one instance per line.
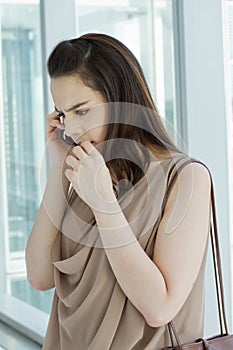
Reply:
x=146, y=28
x=22, y=144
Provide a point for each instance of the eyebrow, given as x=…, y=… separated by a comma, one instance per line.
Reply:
x=72, y=107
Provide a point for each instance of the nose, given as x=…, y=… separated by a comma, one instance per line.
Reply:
x=74, y=136
x=73, y=128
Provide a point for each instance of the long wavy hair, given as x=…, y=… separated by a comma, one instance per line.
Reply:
x=106, y=65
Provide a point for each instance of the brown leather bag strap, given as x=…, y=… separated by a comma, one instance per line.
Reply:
x=215, y=250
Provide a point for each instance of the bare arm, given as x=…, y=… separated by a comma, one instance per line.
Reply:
x=159, y=288
x=51, y=210
x=45, y=230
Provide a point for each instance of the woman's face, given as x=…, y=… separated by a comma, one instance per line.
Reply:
x=82, y=109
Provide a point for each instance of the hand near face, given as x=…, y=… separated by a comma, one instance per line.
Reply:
x=90, y=177
x=57, y=148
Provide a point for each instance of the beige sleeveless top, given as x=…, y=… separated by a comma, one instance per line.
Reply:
x=90, y=310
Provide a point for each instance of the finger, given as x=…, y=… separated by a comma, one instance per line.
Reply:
x=52, y=124
x=69, y=174
x=88, y=147
x=79, y=152
x=52, y=116
x=91, y=150
x=72, y=177
x=49, y=130
x=71, y=161
x=60, y=126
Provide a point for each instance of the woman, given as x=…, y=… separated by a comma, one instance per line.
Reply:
x=124, y=261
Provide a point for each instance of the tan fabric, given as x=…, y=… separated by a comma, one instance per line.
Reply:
x=90, y=311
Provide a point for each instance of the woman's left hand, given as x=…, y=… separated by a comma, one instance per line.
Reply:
x=90, y=177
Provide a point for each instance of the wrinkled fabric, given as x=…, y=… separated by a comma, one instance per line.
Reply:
x=90, y=311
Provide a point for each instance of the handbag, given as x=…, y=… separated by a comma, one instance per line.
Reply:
x=224, y=340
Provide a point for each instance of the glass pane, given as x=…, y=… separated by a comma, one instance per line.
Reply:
x=164, y=59
x=22, y=135
x=146, y=28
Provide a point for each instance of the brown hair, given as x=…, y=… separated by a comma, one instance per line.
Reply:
x=108, y=66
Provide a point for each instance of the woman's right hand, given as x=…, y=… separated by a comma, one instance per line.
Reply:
x=57, y=148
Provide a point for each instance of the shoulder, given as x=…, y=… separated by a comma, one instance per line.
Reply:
x=198, y=168
x=199, y=171
x=189, y=176
x=186, y=165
